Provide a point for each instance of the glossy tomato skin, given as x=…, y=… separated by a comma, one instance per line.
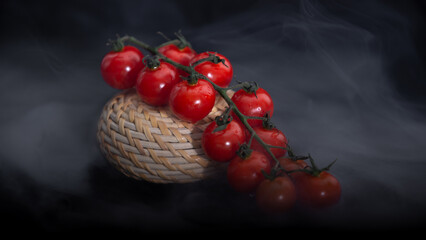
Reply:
x=277, y=195
x=273, y=137
x=222, y=146
x=217, y=73
x=250, y=105
x=192, y=102
x=182, y=56
x=120, y=69
x=154, y=85
x=290, y=165
x=319, y=191
x=244, y=175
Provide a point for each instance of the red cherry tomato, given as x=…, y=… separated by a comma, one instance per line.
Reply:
x=192, y=102
x=222, y=146
x=277, y=195
x=154, y=85
x=273, y=137
x=120, y=69
x=250, y=105
x=244, y=175
x=182, y=56
x=319, y=191
x=216, y=72
x=290, y=165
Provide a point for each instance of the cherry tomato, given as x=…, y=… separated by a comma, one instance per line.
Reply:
x=120, y=69
x=273, y=137
x=250, y=105
x=277, y=195
x=319, y=191
x=244, y=175
x=290, y=165
x=154, y=85
x=216, y=72
x=192, y=102
x=222, y=146
x=182, y=56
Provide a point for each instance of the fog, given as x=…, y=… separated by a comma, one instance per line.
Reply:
x=346, y=79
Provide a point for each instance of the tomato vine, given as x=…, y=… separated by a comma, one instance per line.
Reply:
x=315, y=181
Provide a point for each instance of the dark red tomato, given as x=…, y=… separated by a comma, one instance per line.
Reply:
x=120, y=69
x=277, y=195
x=250, y=105
x=222, y=146
x=154, y=85
x=290, y=165
x=273, y=137
x=182, y=56
x=319, y=191
x=192, y=102
x=216, y=72
x=244, y=175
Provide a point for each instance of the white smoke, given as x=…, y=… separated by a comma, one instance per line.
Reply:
x=329, y=78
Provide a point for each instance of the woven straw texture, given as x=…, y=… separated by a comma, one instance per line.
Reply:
x=150, y=143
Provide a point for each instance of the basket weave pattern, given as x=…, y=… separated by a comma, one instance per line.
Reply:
x=150, y=143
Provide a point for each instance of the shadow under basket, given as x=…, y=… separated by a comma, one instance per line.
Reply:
x=150, y=143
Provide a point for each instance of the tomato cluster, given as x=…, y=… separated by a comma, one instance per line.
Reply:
x=277, y=178
x=160, y=83
x=256, y=152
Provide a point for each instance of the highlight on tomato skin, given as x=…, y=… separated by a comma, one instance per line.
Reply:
x=120, y=69
x=192, y=102
x=222, y=146
x=219, y=73
x=154, y=85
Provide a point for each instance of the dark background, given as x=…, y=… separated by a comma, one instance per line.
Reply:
x=347, y=79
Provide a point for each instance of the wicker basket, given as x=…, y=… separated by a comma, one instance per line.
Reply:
x=150, y=143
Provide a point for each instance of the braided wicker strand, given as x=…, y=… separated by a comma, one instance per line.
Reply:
x=150, y=143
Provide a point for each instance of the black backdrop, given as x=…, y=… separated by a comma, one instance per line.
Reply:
x=347, y=79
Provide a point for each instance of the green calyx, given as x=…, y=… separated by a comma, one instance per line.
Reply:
x=222, y=121
x=314, y=170
x=249, y=87
x=211, y=58
x=267, y=123
x=117, y=45
x=244, y=151
x=182, y=43
x=152, y=62
x=192, y=79
x=294, y=157
x=216, y=59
